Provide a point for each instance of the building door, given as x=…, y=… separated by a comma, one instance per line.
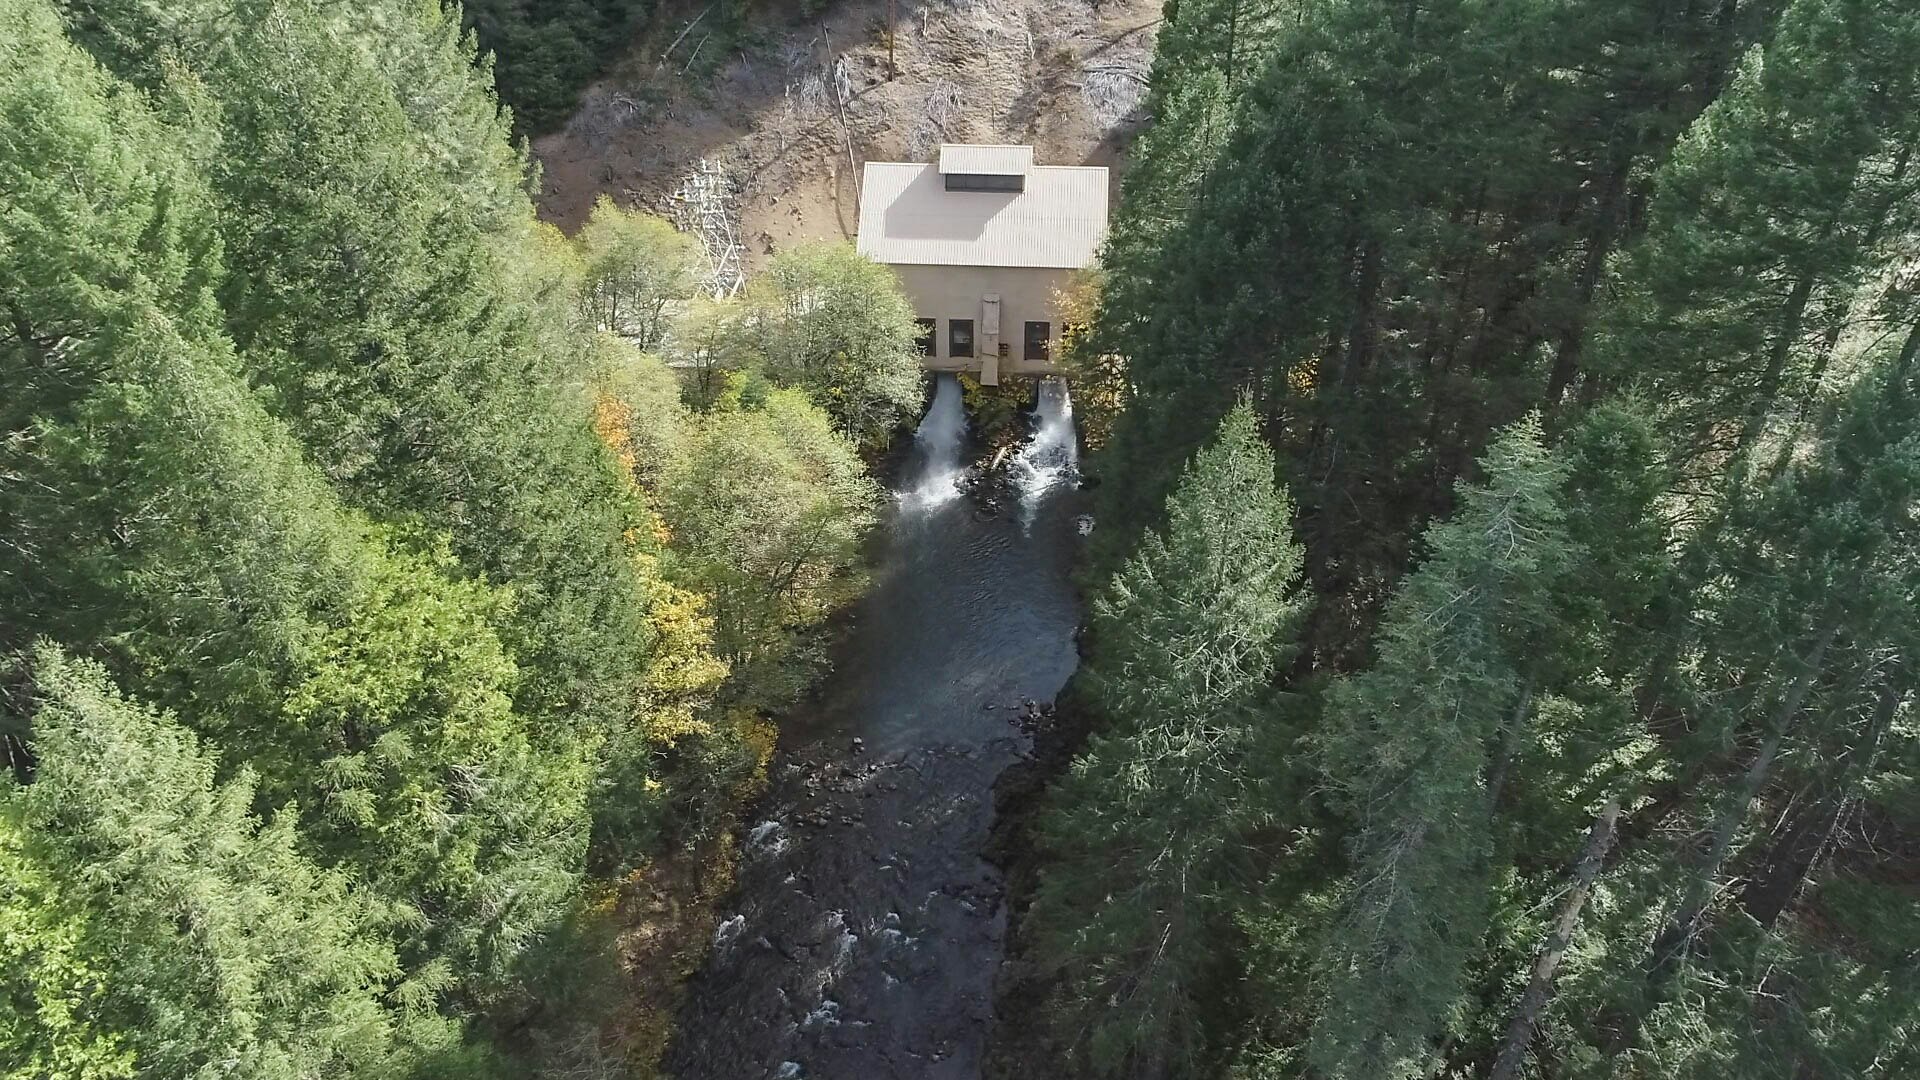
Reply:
x=990, y=339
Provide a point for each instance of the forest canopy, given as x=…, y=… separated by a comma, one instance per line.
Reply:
x=1507, y=416
x=544, y=53
x=371, y=604
x=1582, y=339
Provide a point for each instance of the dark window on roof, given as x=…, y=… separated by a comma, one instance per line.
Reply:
x=1039, y=340
x=985, y=182
x=959, y=337
x=929, y=330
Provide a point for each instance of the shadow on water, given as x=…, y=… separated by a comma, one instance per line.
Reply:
x=867, y=930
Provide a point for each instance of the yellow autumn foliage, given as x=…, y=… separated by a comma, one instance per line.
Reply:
x=613, y=422
x=1099, y=378
x=682, y=672
x=1302, y=377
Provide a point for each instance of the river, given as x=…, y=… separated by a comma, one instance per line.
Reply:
x=866, y=929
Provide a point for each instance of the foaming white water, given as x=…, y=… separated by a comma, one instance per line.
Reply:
x=935, y=478
x=1052, y=458
x=826, y=1016
x=767, y=838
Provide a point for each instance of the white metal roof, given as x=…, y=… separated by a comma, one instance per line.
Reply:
x=908, y=217
x=986, y=159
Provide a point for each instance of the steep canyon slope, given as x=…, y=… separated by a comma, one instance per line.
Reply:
x=797, y=105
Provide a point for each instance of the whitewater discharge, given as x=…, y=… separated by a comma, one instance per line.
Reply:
x=1051, y=459
x=728, y=930
x=938, y=442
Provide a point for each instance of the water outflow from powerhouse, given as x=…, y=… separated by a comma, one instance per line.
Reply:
x=1050, y=461
x=865, y=930
x=933, y=476
x=1052, y=458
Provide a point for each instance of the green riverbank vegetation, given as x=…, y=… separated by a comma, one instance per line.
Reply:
x=1503, y=654
x=386, y=640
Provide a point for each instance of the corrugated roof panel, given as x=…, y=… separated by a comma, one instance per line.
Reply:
x=986, y=159
x=908, y=217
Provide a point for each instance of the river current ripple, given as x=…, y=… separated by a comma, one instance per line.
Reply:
x=866, y=930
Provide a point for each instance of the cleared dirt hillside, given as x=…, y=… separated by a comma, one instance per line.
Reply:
x=789, y=118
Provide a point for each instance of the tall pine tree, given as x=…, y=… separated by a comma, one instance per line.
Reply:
x=1407, y=746
x=166, y=523
x=1144, y=833
x=174, y=934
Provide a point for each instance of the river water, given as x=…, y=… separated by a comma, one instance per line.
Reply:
x=866, y=929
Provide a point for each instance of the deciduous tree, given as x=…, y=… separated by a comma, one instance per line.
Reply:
x=827, y=320
x=636, y=268
x=768, y=509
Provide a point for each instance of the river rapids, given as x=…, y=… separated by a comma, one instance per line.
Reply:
x=866, y=929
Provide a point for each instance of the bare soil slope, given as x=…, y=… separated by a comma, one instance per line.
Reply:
x=791, y=120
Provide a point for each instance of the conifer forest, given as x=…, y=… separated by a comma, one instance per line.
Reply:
x=1468, y=592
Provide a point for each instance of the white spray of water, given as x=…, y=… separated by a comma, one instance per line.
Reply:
x=767, y=838
x=937, y=471
x=826, y=1016
x=1052, y=458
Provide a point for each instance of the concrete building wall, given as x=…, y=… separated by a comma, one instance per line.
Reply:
x=1026, y=293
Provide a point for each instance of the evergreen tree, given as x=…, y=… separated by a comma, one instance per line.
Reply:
x=1693, y=959
x=1406, y=221
x=1581, y=743
x=1550, y=826
x=1814, y=613
x=1406, y=747
x=448, y=96
x=546, y=53
x=173, y=527
x=1143, y=833
x=1769, y=228
x=183, y=936
x=1206, y=54
x=417, y=355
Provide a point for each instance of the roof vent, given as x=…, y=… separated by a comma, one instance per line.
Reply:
x=969, y=167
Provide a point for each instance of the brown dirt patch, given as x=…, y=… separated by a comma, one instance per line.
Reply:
x=792, y=119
